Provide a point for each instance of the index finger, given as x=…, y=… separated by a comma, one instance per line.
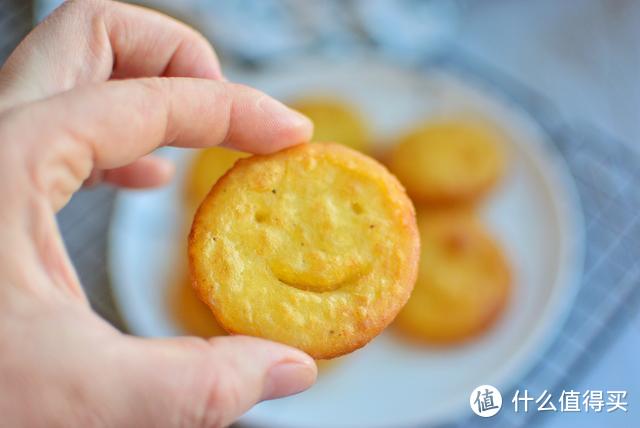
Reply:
x=111, y=124
x=94, y=40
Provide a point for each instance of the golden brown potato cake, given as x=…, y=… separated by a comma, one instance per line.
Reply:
x=463, y=282
x=315, y=246
x=449, y=162
x=334, y=120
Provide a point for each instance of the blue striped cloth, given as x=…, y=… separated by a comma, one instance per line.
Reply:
x=16, y=17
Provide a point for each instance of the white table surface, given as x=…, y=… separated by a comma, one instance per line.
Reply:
x=584, y=55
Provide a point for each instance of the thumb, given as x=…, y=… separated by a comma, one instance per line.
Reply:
x=193, y=382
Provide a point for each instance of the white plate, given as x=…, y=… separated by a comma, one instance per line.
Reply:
x=534, y=213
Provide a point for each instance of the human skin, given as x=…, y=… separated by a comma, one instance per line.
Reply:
x=85, y=98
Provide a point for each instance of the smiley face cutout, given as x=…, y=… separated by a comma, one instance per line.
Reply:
x=315, y=246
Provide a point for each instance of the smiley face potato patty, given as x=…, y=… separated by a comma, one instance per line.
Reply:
x=463, y=284
x=335, y=120
x=315, y=246
x=449, y=162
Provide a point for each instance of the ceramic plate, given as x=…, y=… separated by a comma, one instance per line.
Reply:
x=534, y=213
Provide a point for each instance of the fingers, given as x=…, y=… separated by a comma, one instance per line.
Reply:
x=146, y=43
x=112, y=124
x=94, y=40
x=199, y=383
x=148, y=171
x=121, y=121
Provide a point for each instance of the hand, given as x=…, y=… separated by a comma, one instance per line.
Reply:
x=90, y=93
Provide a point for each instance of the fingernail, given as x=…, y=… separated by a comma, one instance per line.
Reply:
x=287, y=378
x=283, y=113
